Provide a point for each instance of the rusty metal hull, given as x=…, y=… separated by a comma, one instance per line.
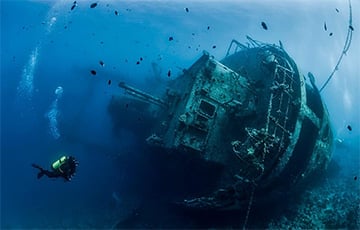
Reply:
x=252, y=113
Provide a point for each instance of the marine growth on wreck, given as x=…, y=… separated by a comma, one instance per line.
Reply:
x=253, y=116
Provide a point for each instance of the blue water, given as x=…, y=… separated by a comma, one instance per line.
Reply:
x=45, y=45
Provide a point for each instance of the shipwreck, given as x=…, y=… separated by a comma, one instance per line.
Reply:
x=253, y=114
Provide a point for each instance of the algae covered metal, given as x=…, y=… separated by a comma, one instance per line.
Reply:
x=251, y=113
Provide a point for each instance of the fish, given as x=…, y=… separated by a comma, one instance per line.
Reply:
x=116, y=13
x=264, y=26
x=73, y=7
x=138, y=62
x=330, y=34
x=208, y=27
x=169, y=73
x=355, y=177
x=214, y=46
x=325, y=28
x=93, y=72
x=93, y=5
x=349, y=128
x=337, y=10
x=187, y=10
x=109, y=82
x=141, y=58
x=102, y=63
x=171, y=38
x=351, y=28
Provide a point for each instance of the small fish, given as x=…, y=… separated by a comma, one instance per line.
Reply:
x=351, y=28
x=330, y=34
x=193, y=34
x=355, y=177
x=141, y=58
x=116, y=13
x=325, y=28
x=214, y=46
x=73, y=7
x=349, y=128
x=208, y=27
x=102, y=63
x=93, y=72
x=109, y=82
x=93, y=5
x=138, y=62
x=264, y=26
x=171, y=38
x=187, y=10
x=169, y=73
x=337, y=10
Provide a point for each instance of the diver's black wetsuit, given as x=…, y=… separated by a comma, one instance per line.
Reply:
x=50, y=174
x=66, y=170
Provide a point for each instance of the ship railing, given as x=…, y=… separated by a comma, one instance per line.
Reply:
x=235, y=47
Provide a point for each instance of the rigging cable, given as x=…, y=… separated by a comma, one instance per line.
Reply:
x=345, y=49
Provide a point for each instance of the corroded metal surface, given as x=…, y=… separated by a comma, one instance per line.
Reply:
x=252, y=113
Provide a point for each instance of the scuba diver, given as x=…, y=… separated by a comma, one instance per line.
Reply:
x=64, y=167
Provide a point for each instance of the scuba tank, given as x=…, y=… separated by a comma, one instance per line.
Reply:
x=56, y=165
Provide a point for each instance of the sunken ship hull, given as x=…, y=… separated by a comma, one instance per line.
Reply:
x=252, y=114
